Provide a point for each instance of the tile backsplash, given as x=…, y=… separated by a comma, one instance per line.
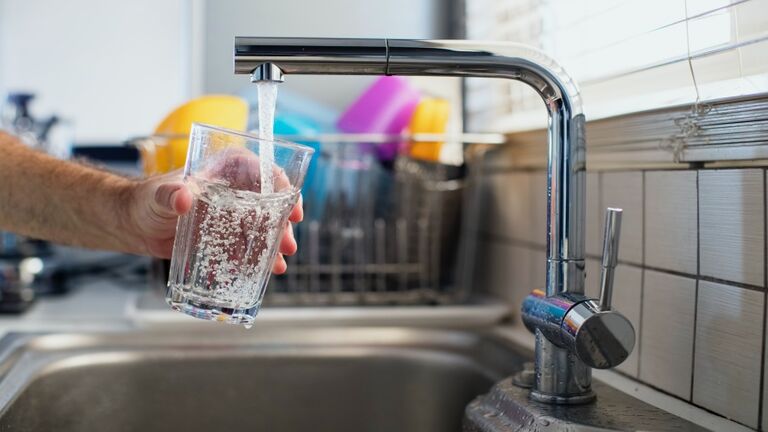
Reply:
x=668, y=324
x=628, y=297
x=728, y=353
x=671, y=218
x=731, y=225
x=691, y=277
x=625, y=191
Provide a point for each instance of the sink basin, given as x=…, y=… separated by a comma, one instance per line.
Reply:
x=283, y=379
x=228, y=379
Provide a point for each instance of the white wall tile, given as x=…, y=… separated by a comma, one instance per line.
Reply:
x=592, y=282
x=627, y=298
x=594, y=214
x=670, y=220
x=753, y=63
x=666, y=345
x=751, y=19
x=625, y=191
x=731, y=224
x=729, y=335
x=765, y=382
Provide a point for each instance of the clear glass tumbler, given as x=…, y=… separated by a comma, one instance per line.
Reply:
x=226, y=245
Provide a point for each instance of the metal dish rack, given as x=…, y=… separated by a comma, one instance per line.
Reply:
x=379, y=233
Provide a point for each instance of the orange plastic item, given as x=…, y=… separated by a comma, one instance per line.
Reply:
x=430, y=117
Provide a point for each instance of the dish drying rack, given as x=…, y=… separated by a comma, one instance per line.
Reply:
x=381, y=233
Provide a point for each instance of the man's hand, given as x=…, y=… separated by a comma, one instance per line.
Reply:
x=155, y=205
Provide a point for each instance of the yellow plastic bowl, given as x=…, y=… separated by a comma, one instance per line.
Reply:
x=226, y=111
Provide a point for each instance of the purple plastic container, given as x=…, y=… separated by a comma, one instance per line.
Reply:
x=385, y=107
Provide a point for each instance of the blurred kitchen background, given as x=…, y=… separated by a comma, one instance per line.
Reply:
x=142, y=59
x=676, y=97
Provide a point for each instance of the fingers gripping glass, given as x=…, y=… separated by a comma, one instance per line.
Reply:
x=243, y=190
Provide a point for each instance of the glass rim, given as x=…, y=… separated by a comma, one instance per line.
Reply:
x=248, y=135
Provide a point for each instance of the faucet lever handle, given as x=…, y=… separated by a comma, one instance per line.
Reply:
x=610, y=255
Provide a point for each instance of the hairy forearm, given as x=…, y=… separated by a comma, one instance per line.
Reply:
x=69, y=203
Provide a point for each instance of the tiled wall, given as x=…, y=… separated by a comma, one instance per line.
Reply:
x=691, y=276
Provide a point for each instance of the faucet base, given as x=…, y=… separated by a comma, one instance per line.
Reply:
x=580, y=399
x=507, y=407
x=560, y=378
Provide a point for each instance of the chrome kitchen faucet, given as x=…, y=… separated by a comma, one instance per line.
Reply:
x=573, y=332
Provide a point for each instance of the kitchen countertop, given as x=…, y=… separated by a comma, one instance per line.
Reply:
x=97, y=304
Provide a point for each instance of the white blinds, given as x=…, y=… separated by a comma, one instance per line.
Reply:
x=626, y=55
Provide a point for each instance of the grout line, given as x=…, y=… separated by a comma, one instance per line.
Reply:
x=638, y=344
x=696, y=296
x=501, y=170
x=494, y=237
x=643, y=193
x=730, y=283
x=761, y=398
x=642, y=273
x=691, y=166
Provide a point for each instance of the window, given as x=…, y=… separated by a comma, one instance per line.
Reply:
x=627, y=56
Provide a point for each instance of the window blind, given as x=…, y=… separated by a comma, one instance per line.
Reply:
x=627, y=56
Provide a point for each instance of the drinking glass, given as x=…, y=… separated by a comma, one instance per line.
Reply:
x=243, y=190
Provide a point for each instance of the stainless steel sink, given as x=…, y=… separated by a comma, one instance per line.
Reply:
x=227, y=379
x=221, y=378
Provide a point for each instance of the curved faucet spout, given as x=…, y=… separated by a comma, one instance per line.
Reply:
x=560, y=374
x=566, y=160
x=487, y=59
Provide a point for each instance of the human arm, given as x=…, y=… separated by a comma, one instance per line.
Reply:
x=69, y=203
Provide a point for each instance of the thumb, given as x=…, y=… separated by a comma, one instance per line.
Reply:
x=171, y=200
